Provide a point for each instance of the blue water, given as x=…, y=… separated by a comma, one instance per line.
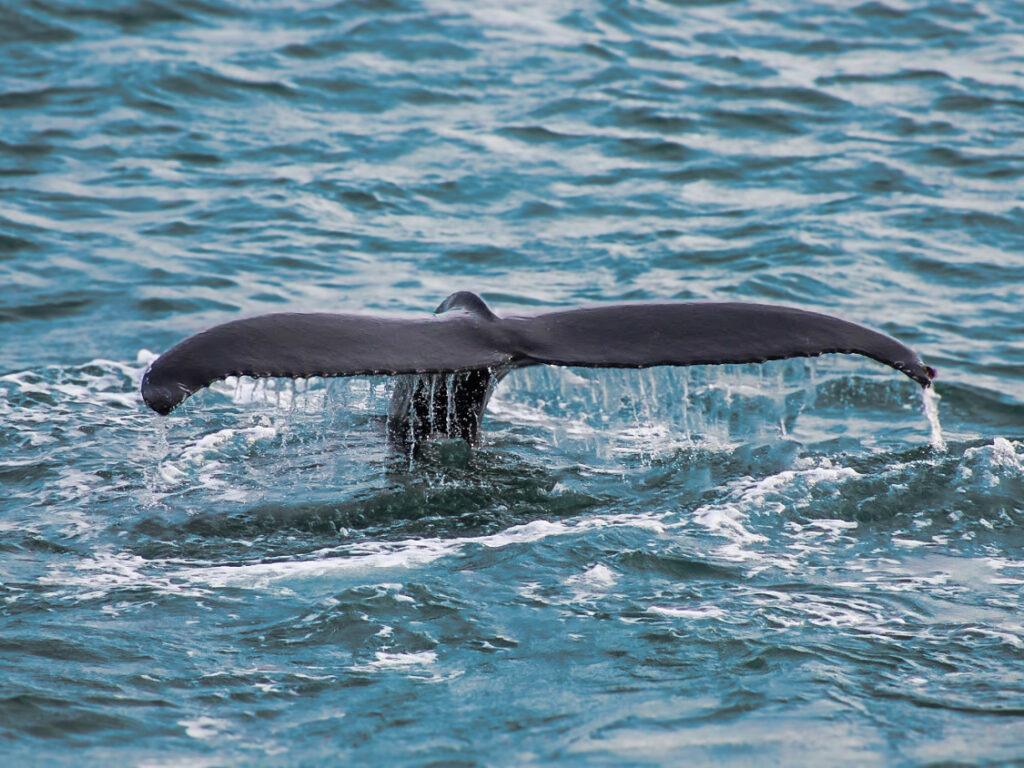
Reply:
x=739, y=565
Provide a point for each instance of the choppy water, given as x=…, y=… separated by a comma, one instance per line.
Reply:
x=742, y=565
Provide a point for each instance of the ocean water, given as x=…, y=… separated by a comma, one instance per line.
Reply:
x=739, y=565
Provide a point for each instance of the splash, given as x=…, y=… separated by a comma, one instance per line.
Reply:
x=930, y=404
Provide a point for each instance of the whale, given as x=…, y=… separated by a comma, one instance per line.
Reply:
x=449, y=363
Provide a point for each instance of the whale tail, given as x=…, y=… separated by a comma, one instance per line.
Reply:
x=451, y=362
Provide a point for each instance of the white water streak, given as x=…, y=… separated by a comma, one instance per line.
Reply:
x=930, y=404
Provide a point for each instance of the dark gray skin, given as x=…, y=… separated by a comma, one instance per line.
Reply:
x=450, y=405
x=451, y=362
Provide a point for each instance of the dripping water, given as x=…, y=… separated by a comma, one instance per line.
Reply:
x=449, y=383
x=930, y=405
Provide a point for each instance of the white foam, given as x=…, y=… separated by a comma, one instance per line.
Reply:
x=388, y=660
x=930, y=404
x=204, y=728
x=593, y=582
x=372, y=557
x=145, y=357
x=793, y=485
x=726, y=520
x=679, y=612
x=263, y=575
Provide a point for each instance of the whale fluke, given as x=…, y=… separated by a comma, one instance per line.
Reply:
x=457, y=356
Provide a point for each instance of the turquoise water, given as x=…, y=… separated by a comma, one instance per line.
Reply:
x=737, y=565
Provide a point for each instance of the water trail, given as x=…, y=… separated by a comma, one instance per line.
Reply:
x=432, y=419
x=930, y=404
x=450, y=410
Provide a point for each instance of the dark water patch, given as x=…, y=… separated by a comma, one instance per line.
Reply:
x=717, y=172
x=134, y=128
x=640, y=49
x=210, y=281
x=296, y=263
x=573, y=105
x=197, y=158
x=484, y=257
x=803, y=97
x=218, y=10
x=273, y=298
x=785, y=287
x=532, y=209
x=907, y=126
x=892, y=22
x=130, y=17
x=958, y=11
x=881, y=11
x=676, y=568
x=740, y=65
x=996, y=230
x=50, y=717
x=432, y=50
x=365, y=39
x=58, y=97
x=756, y=120
x=945, y=156
x=303, y=51
x=535, y=134
x=20, y=27
x=599, y=52
x=457, y=191
x=964, y=274
x=453, y=509
x=903, y=75
x=607, y=76
x=968, y=708
x=161, y=276
x=86, y=208
x=768, y=248
x=162, y=307
x=624, y=17
x=11, y=172
x=651, y=150
x=57, y=649
x=196, y=83
x=336, y=85
x=972, y=102
x=310, y=151
x=75, y=303
x=174, y=229
x=10, y=245
x=981, y=166
x=27, y=151
x=153, y=107
x=876, y=179
x=359, y=199
x=425, y=96
x=30, y=542
x=965, y=403
x=647, y=118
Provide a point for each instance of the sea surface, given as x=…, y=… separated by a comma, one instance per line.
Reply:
x=786, y=564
